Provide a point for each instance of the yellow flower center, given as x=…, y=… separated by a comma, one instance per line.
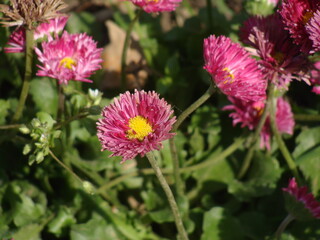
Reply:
x=228, y=76
x=68, y=62
x=139, y=128
x=259, y=107
x=155, y=1
x=306, y=17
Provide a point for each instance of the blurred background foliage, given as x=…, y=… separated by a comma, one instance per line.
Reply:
x=44, y=201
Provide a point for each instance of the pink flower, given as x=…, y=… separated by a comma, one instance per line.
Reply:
x=296, y=15
x=157, y=5
x=315, y=78
x=135, y=124
x=17, y=39
x=54, y=26
x=233, y=70
x=70, y=57
x=249, y=114
x=281, y=60
x=313, y=28
x=302, y=195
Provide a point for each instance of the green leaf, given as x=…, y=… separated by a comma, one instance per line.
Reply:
x=4, y=106
x=309, y=163
x=63, y=219
x=28, y=232
x=262, y=180
x=306, y=140
x=45, y=95
x=95, y=228
x=215, y=176
x=162, y=215
x=219, y=225
x=25, y=198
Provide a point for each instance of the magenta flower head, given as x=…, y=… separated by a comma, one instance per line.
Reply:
x=296, y=15
x=135, y=124
x=69, y=57
x=281, y=60
x=299, y=199
x=248, y=114
x=313, y=28
x=233, y=70
x=17, y=39
x=157, y=5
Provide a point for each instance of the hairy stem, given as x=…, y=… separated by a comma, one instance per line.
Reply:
x=170, y=197
x=283, y=226
x=176, y=165
x=282, y=146
x=65, y=167
x=27, y=75
x=248, y=158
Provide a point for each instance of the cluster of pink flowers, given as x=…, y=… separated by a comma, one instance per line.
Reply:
x=301, y=18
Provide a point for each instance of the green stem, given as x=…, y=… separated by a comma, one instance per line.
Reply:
x=147, y=171
x=10, y=126
x=125, y=50
x=305, y=117
x=65, y=167
x=248, y=158
x=60, y=102
x=176, y=165
x=71, y=119
x=176, y=168
x=209, y=13
x=27, y=75
x=283, y=226
x=193, y=107
x=282, y=146
x=170, y=197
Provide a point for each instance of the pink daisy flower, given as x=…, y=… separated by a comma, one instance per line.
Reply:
x=302, y=195
x=248, y=114
x=233, y=70
x=17, y=39
x=157, y=5
x=313, y=28
x=315, y=78
x=281, y=60
x=135, y=124
x=296, y=15
x=70, y=57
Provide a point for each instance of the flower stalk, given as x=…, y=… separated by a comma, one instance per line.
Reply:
x=125, y=50
x=170, y=197
x=173, y=149
x=283, y=226
x=282, y=146
x=27, y=75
